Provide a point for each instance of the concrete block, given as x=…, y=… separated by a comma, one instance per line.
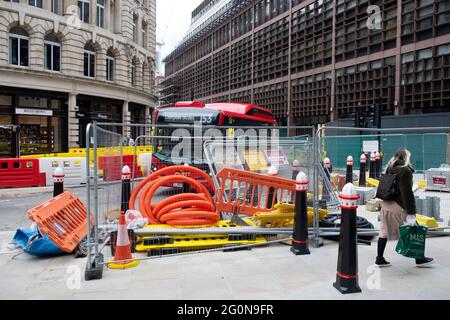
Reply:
x=366, y=194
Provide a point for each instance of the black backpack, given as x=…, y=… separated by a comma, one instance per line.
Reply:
x=388, y=187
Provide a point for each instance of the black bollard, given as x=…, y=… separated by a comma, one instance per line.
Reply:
x=295, y=172
x=126, y=188
x=349, y=172
x=58, y=182
x=327, y=165
x=347, y=266
x=373, y=164
x=300, y=238
x=273, y=172
x=362, y=170
x=379, y=165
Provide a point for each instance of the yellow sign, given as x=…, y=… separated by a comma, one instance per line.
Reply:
x=256, y=160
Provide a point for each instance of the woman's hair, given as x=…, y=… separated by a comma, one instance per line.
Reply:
x=403, y=155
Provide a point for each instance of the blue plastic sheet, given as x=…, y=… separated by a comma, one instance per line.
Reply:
x=34, y=243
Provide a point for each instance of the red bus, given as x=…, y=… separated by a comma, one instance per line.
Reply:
x=185, y=114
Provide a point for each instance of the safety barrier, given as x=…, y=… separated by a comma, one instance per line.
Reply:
x=74, y=169
x=112, y=166
x=63, y=219
x=247, y=193
x=20, y=173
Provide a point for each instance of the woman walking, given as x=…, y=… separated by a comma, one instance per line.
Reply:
x=402, y=208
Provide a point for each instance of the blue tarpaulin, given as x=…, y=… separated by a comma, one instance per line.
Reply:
x=36, y=244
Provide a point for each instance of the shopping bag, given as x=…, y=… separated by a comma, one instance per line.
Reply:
x=412, y=241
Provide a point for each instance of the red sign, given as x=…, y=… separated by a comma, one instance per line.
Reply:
x=440, y=180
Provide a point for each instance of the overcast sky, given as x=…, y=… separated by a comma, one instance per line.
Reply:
x=173, y=18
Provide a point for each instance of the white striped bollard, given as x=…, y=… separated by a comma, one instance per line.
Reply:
x=300, y=237
x=58, y=182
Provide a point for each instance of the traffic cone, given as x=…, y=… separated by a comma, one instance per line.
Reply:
x=123, y=248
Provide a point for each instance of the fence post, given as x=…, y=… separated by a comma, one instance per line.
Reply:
x=58, y=182
x=273, y=172
x=300, y=238
x=362, y=170
x=349, y=172
x=347, y=266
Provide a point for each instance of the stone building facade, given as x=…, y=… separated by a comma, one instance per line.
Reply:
x=66, y=63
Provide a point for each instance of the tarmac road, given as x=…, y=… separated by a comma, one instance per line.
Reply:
x=15, y=203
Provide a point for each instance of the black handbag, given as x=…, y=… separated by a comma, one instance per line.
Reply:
x=388, y=187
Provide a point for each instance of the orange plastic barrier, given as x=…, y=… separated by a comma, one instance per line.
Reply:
x=20, y=173
x=63, y=219
x=242, y=191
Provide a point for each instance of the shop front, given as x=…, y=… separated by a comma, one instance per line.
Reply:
x=32, y=122
x=92, y=109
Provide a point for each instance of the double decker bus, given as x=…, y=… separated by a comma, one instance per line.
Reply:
x=185, y=115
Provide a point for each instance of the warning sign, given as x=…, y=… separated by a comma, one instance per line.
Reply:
x=277, y=157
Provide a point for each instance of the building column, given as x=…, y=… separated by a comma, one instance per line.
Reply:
x=117, y=16
x=47, y=5
x=398, y=105
x=107, y=14
x=139, y=28
x=94, y=12
x=148, y=120
x=126, y=119
x=73, y=122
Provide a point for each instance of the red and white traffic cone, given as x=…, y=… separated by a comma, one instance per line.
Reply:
x=122, y=257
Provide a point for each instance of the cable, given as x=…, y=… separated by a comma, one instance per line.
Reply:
x=189, y=209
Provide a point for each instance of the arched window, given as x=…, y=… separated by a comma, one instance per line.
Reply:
x=89, y=61
x=52, y=53
x=19, y=47
x=110, y=66
x=133, y=72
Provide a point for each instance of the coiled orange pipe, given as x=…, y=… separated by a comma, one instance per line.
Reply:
x=190, y=209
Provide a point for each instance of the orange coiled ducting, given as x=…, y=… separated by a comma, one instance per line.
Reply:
x=190, y=209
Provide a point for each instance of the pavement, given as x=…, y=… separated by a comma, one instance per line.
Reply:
x=270, y=272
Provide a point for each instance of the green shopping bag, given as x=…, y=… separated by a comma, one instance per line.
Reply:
x=412, y=241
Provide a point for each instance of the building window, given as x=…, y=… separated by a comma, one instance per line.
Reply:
x=52, y=53
x=55, y=6
x=18, y=47
x=143, y=32
x=89, y=61
x=83, y=5
x=143, y=75
x=134, y=29
x=100, y=13
x=35, y=3
x=109, y=66
x=133, y=73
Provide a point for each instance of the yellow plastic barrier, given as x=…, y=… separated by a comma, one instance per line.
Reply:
x=427, y=221
x=372, y=182
x=191, y=242
x=283, y=216
x=81, y=153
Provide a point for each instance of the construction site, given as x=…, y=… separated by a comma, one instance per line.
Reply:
x=200, y=211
